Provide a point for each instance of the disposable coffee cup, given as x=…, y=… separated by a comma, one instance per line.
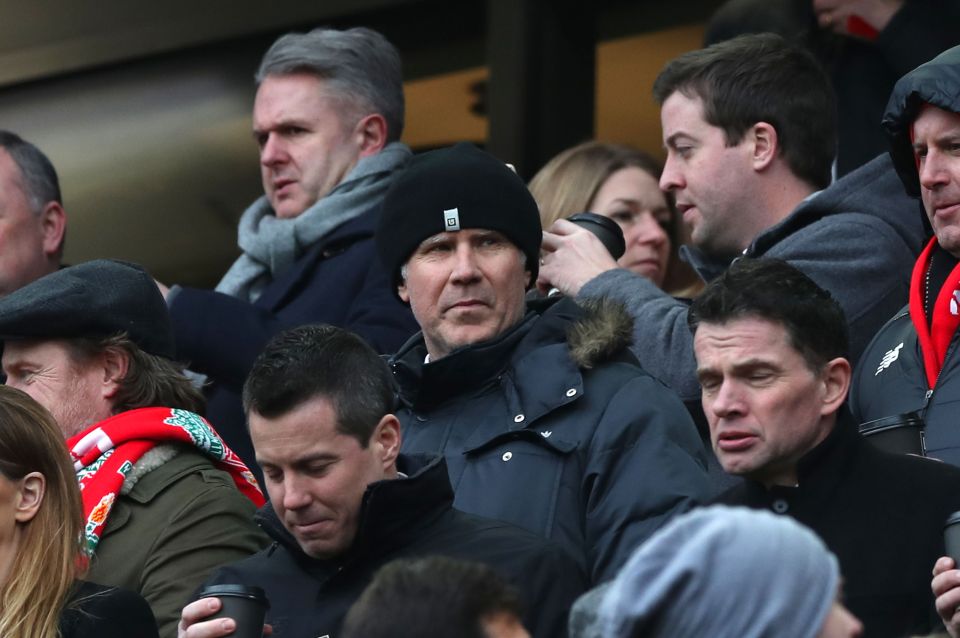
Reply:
x=606, y=230
x=898, y=434
x=951, y=537
x=247, y=606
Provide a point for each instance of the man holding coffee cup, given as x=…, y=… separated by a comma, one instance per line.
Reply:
x=344, y=502
x=771, y=358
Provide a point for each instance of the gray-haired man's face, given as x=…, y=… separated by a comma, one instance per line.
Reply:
x=936, y=144
x=306, y=147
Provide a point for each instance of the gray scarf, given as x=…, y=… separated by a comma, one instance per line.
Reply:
x=271, y=245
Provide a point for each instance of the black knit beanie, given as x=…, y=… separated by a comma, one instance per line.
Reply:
x=452, y=189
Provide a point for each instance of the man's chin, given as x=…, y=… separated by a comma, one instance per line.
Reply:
x=288, y=208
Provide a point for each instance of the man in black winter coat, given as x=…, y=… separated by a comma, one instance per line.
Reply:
x=770, y=347
x=344, y=502
x=544, y=417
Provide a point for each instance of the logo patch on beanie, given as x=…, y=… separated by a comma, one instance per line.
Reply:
x=451, y=219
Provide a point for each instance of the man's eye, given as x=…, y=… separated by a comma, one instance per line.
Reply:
x=709, y=384
x=435, y=249
x=318, y=470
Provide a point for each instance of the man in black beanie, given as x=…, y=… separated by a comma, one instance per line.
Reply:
x=544, y=417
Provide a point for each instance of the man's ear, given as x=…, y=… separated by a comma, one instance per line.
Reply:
x=765, y=145
x=29, y=497
x=115, y=363
x=386, y=436
x=53, y=221
x=836, y=380
x=402, y=292
x=372, y=134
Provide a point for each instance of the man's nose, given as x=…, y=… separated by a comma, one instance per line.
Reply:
x=933, y=171
x=465, y=267
x=671, y=178
x=272, y=152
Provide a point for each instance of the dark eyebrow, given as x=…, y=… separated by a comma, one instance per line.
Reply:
x=304, y=460
x=672, y=140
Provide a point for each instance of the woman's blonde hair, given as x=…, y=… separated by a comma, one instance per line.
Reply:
x=48, y=560
x=570, y=181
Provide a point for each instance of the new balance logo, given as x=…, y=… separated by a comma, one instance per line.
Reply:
x=888, y=358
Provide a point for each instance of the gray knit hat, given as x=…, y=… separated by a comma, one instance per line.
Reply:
x=98, y=298
x=723, y=571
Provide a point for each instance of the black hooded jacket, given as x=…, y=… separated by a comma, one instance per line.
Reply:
x=890, y=379
x=403, y=518
x=553, y=426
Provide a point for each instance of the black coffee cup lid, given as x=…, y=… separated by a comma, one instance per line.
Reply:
x=242, y=591
x=952, y=519
x=606, y=230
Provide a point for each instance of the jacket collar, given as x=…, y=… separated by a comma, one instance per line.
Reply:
x=392, y=513
x=533, y=356
x=821, y=469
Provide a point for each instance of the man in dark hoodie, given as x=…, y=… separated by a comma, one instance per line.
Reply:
x=910, y=369
x=344, y=502
x=750, y=133
x=544, y=417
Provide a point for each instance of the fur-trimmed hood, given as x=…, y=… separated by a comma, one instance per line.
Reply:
x=574, y=337
x=604, y=331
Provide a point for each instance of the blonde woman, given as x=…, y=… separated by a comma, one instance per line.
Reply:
x=41, y=556
x=619, y=182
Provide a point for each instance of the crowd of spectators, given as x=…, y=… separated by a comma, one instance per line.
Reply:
x=422, y=402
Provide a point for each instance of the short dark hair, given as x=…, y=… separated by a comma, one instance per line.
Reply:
x=774, y=290
x=150, y=381
x=322, y=361
x=360, y=66
x=40, y=182
x=428, y=597
x=762, y=78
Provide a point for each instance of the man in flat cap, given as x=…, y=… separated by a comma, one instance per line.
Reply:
x=544, y=416
x=165, y=500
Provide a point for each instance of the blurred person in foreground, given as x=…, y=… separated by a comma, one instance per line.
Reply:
x=436, y=597
x=42, y=553
x=722, y=571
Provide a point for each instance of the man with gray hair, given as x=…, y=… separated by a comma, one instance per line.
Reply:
x=32, y=220
x=327, y=117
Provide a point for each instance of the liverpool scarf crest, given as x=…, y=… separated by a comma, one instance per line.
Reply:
x=104, y=454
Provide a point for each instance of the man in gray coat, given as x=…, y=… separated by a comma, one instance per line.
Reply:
x=748, y=162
